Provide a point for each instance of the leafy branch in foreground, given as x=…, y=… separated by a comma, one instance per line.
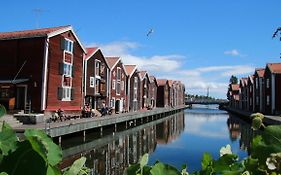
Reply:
x=265, y=157
x=37, y=154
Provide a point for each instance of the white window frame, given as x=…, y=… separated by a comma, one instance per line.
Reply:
x=68, y=46
x=113, y=84
x=112, y=102
x=62, y=82
x=122, y=85
x=92, y=82
x=267, y=83
x=118, y=69
x=69, y=67
x=96, y=89
x=97, y=62
x=118, y=84
x=64, y=92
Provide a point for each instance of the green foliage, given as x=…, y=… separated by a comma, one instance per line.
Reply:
x=233, y=79
x=2, y=110
x=265, y=157
x=38, y=154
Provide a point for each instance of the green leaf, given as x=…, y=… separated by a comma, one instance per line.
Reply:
x=53, y=170
x=2, y=110
x=133, y=169
x=207, y=161
x=44, y=146
x=3, y=173
x=8, y=139
x=76, y=167
x=144, y=160
x=24, y=160
x=256, y=123
x=164, y=169
x=224, y=163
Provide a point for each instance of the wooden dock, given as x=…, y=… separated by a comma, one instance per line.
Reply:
x=58, y=129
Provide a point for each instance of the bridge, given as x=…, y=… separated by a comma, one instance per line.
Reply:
x=205, y=101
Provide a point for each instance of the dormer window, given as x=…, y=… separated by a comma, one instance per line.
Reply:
x=67, y=45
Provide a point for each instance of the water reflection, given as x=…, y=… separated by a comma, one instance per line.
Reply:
x=178, y=139
x=112, y=154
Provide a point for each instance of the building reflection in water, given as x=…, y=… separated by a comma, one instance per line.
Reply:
x=112, y=154
x=239, y=128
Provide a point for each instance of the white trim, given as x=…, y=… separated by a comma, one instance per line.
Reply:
x=62, y=81
x=63, y=30
x=44, y=78
x=63, y=93
x=272, y=93
x=119, y=59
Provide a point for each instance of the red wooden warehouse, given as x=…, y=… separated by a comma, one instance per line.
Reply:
x=41, y=70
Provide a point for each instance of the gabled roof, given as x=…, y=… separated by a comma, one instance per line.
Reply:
x=90, y=52
x=130, y=69
x=244, y=81
x=44, y=32
x=153, y=79
x=162, y=82
x=251, y=78
x=142, y=74
x=274, y=68
x=170, y=83
x=234, y=87
x=112, y=61
x=260, y=72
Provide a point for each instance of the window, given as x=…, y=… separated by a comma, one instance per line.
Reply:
x=68, y=45
x=97, y=86
x=112, y=103
x=256, y=83
x=122, y=85
x=92, y=82
x=267, y=83
x=118, y=87
x=113, y=84
x=98, y=68
x=66, y=94
x=67, y=69
x=66, y=81
x=267, y=100
x=118, y=73
x=135, y=88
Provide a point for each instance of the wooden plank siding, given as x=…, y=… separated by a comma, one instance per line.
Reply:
x=55, y=58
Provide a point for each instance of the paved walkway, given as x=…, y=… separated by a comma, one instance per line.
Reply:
x=57, y=128
x=268, y=119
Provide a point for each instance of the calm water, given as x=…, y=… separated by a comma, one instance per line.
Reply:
x=178, y=139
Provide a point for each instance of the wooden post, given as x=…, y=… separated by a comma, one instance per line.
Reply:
x=126, y=124
x=115, y=127
x=59, y=140
x=101, y=131
x=84, y=135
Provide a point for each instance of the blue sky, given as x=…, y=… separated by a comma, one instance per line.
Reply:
x=200, y=42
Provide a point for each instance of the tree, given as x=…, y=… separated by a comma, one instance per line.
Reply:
x=233, y=79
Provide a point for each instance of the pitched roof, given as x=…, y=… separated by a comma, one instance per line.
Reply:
x=153, y=79
x=112, y=61
x=30, y=33
x=162, y=82
x=142, y=74
x=170, y=83
x=274, y=67
x=244, y=81
x=91, y=51
x=251, y=78
x=235, y=87
x=130, y=69
x=44, y=32
x=260, y=72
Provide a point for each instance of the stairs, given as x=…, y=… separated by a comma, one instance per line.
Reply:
x=27, y=108
x=13, y=122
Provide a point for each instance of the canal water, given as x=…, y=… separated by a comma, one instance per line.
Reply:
x=178, y=139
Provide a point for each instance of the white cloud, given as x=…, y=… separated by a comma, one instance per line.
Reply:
x=170, y=66
x=232, y=52
x=163, y=63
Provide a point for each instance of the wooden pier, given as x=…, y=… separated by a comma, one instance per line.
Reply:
x=59, y=129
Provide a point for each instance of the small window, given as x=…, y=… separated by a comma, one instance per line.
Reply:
x=113, y=84
x=267, y=83
x=118, y=73
x=97, y=86
x=267, y=100
x=112, y=103
x=67, y=69
x=98, y=68
x=122, y=85
x=66, y=94
x=118, y=87
x=68, y=45
x=92, y=82
x=66, y=81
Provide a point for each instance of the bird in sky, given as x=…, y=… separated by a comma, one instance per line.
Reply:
x=150, y=32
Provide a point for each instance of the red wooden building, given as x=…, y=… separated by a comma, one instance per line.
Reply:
x=250, y=86
x=118, y=84
x=96, y=78
x=233, y=95
x=259, y=90
x=243, y=93
x=145, y=102
x=41, y=70
x=162, y=93
x=133, y=88
x=272, y=81
x=152, y=95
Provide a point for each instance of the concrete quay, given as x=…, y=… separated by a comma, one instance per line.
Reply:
x=58, y=129
x=268, y=119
